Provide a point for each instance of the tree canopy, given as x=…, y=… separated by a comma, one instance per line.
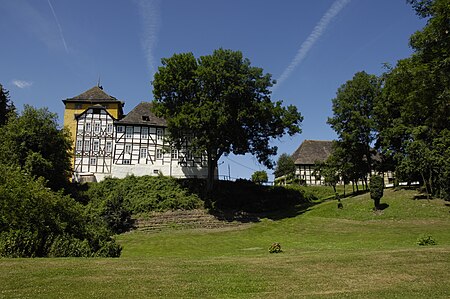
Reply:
x=6, y=106
x=34, y=142
x=285, y=166
x=224, y=104
x=413, y=114
x=353, y=122
x=405, y=112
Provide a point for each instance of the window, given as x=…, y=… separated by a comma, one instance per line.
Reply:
x=97, y=127
x=126, y=161
x=145, y=118
x=129, y=132
x=96, y=111
x=108, y=147
x=174, y=154
x=93, y=161
x=143, y=153
x=109, y=128
x=159, y=134
x=159, y=153
x=156, y=171
x=96, y=145
x=78, y=106
x=128, y=148
x=87, y=145
x=119, y=129
x=87, y=127
x=144, y=133
x=79, y=145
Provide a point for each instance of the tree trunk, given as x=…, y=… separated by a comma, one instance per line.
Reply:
x=212, y=166
x=426, y=185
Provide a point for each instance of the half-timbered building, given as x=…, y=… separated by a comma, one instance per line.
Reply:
x=114, y=145
x=94, y=143
x=305, y=158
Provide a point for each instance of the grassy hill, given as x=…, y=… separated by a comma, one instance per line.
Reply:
x=327, y=253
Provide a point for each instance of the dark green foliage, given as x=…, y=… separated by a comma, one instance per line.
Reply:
x=244, y=195
x=140, y=194
x=37, y=222
x=34, y=142
x=226, y=102
x=285, y=166
x=413, y=114
x=426, y=241
x=66, y=245
x=6, y=106
x=376, y=189
x=353, y=122
x=260, y=177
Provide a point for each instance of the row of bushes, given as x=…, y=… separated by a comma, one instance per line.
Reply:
x=38, y=222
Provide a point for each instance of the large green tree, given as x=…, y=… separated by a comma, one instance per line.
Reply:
x=413, y=114
x=224, y=103
x=6, y=106
x=353, y=122
x=34, y=142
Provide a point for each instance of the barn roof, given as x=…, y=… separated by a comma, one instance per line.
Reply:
x=142, y=115
x=312, y=151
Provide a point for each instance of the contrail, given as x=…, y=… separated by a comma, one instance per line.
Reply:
x=317, y=32
x=150, y=17
x=59, y=26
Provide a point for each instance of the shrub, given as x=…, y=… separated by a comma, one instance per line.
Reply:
x=66, y=245
x=275, y=248
x=376, y=190
x=426, y=240
x=20, y=243
x=38, y=222
x=144, y=194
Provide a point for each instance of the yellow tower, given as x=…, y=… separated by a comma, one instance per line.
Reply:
x=78, y=104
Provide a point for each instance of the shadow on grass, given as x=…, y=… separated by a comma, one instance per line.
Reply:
x=254, y=217
x=383, y=206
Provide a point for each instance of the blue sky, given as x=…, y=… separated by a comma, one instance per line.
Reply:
x=56, y=49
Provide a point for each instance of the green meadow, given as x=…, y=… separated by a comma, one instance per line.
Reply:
x=327, y=253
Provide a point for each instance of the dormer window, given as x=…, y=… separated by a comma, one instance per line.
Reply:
x=145, y=118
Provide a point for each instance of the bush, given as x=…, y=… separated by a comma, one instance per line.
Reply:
x=66, y=245
x=426, y=240
x=275, y=248
x=20, y=243
x=243, y=195
x=145, y=194
x=38, y=222
x=376, y=189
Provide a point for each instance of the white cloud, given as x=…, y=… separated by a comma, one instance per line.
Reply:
x=317, y=32
x=22, y=84
x=149, y=11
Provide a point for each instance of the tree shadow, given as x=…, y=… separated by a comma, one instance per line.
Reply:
x=382, y=206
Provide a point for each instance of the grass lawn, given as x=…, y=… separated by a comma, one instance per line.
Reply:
x=327, y=253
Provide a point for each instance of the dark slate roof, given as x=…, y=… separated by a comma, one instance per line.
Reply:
x=95, y=94
x=312, y=151
x=142, y=115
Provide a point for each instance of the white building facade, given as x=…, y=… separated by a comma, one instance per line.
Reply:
x=134, y=145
